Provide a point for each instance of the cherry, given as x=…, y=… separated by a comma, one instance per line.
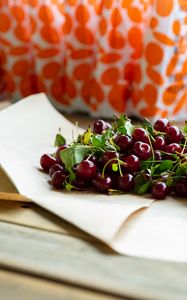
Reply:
x=173, y=135
x=54, y=168
x=99, y=126
x=58, y=179
x=108, y=155
x=162, y=125
x=159, y=190
x=57, y=155
x=158, y=155
x=181, y=188
x=185, y=150
x=140, y=134
x=86, y=169
x=125, y=183
x=124, y=142
x=142, y=150
x=102, y=184
x=159, y=143
x=132, y=163
x=80, y=182
x=172, y=148
x=47, y=161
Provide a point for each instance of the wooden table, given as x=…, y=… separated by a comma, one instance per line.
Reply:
x=44, y=257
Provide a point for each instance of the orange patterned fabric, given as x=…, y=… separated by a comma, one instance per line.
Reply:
x=97, y=56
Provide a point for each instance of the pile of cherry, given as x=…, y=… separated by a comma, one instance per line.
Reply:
x=122, y=158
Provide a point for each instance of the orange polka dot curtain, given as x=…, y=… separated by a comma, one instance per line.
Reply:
x=97, y=56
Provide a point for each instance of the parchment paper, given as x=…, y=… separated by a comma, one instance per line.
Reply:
x=127, y=223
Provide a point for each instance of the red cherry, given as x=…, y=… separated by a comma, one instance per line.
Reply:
x=159, y=190
x=99, y=126
x=132, y=163
x=125, y=183
x=47, y=161
x=173, y=148
x=162, y=125
x=102, y=184
x=54, y=168
x=124, y=142
x=159, y=143
x=58, y=179
x=142, y=150
x=86, y=169
x=181, y=188
x=173, y=135
x=140, y=134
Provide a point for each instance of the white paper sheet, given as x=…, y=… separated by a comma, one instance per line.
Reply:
x=27, y=130
x=128, y=223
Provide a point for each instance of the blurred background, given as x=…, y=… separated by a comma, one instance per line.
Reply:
x=97, y=57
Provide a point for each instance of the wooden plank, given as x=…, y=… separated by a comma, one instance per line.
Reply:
x=14, y=197
x=75, y=261
x=22, y=287
x=34, y=216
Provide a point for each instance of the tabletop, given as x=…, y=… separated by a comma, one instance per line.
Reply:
x=44, y=257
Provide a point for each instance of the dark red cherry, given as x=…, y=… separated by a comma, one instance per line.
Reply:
x=173, y=148
x=102, y=184
x=86, y=169
x=125, y=183
x=162, y=125
x=142, y=150
x=140, y=134
x=80, y=182
x=57, y=155
x=109, y=155
x=124, y=142
x=99, y=126
x=173, y=135
x=47, y=161
x=56, y=167
x=159, y=190
x=159, y=143
x=132, y=163
x=58, y=179
x=181, y=188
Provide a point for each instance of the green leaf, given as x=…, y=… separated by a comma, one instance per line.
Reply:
x=129, y=127
x=124, y=125
x=146, y=164
x=181, y=170
x=98, y=141
x=147, y=124
x=71, y=175
x=74, y=155
x=59, y=140
x=166, y=165
x=185, y=127
x=139, y=181
x=122, y=130
x=144, y=188
x=115, y=167
x=69, y=186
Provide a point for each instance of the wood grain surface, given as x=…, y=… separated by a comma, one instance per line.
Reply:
x=68, y=259
x=24, y=287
